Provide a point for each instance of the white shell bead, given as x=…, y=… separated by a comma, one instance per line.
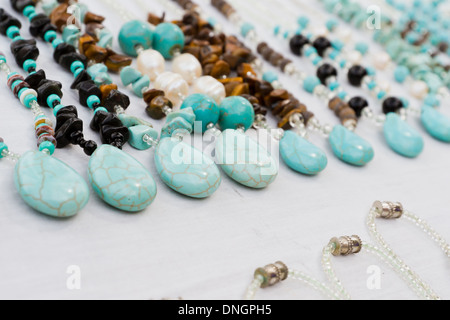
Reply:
x=151, y=63
x=211, y=87
x=188, y=67
x=174, y=86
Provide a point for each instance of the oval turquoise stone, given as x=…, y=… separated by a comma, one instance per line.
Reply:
x=185, y=169
x=436, y=124
x=49, y=186
x=135, y=33
x=236, y=112
x=301, y=155
x=205, y=109
x=401, y=137
x=349, y=147
x=120, y=180
x=167, y=39
x=244, y=160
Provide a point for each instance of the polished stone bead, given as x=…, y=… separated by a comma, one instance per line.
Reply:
x=47, y=88
x=115, y=62
x=83, y=76
x=326, y=71
x=178, y=121
x=205, y=109
x=301, y=155
x=297, y=43
x=167, y=39
x=120, y=180
x=19, y=5
x=137, y=134
x=185, y=169
x=156, y=107
x=358, y=104
x=35, y=78
x=244, y=160
x=135, y=33
x=321, y=44
x=62, y=49
x=236, y=112
x=392, y=104
x=401, y=137
x=50, y=186
x=87, y=89
x=40, y=24
x=67, y=59
x=356, y=75
x=116, y=98
x=24, y=50
x=436, y=124
x=349, y=147
x=7, y=21
x=67, y=124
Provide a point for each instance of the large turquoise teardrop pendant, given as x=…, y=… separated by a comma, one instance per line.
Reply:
x=436, y=124
x=349, y=147
x=120, y=180
x=401, y=137
x=49, y=186
x=244, y=160
x=185, y=169
x=301, y=155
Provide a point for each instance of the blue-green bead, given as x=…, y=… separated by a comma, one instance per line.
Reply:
x=137, y=134
x=120, y=180
x=48, y=6
x=270, y=76
x=205, y=109
x=140, y=85
x=168, y=38
x=244, y=160
x=401, y=73
x=303, y=21
x=332, y=24
x=29, y=64
x=51, y=100
x=431, y=100
x=76, y=65
x=35, y=181
x=246, y=28
x=349, y=147
x=129, y=75
x=301, y=155
x=102, y=78
x=50, y=35
x=47, y=145
x=195, y=176
x=135, y=33
x=3, y=58
x=3, y=147
x=436, y=124
x=401, y=137
x=362, y=47
x=12, y=31
x=56, y=43
x=91, y=100
x=70, y=34
x=77, y=72
x=101, y=109
x=57, y=108
x=96, y=69
x=178, y=121
x=28, y=10
x=310, y=83
x=236, y=112
x=106, y=38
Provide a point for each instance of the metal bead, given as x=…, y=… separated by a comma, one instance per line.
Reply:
x=388, y=210
x=272, y=274
x=345, y=246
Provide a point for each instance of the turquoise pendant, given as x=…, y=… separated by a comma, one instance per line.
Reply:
x=301, y=155
x=49, y=186
x=185, y=169
x=244, y=160
x=349, y=147
x=401, y=137
x=120, y=180
x=436, y=124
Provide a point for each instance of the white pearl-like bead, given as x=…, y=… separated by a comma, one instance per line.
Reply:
x=345, y=34
x=320, y=31
x=174, y=86
x=419, y=89
x=354, y=57
x=151, y=63
x=381, y=60
x=211, y=87
x=188, y=67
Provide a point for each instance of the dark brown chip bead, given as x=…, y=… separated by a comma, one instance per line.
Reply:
x=261, y=46
x=207, y=69
x=232, y=60
x=93, y=18
x=7, y=21
x=116, y=98
x=62, y=49
x=307, y=115
x=252, y=99
x=66, y=60
x=275, y=59
x=240, y=89
x=47, y=88
x=154, y=19
x=40, y=24
x=96, y=53
x=149, y=95
x=221, y=69
x=195, y=51
x=280, y=106
x=347, y=114
x=87, y=89
x=59, y=16
x=19, y=5
x=35, y=78
x=92, y=28
x=275, y=96
x=115, y=62
x=24, y=50
x=156, y=107
x=82, y=77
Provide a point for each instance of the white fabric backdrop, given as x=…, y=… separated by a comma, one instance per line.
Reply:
x=209, y=249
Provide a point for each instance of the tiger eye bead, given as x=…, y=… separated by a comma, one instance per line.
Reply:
x=221, y=69
x=96, y=53
x=115, y=62
x=156, y=108
x=106, y=89
x=90, y=17
x=84, y=42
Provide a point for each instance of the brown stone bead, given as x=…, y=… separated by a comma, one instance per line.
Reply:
x=106, y=89
x=232, y=60
x=275, y=59
x=96, y=53
x=115, y=62
x=149, y=95
x=59, y=16
x=228, y=80
x=45, y=130
x=275, y=96
x=195, y=51
x=284, y=123
x=229, y=87
x=211, y=59
x=91, y=29
x=336, y=104
x=245, y=70
x=220, y=69
x=347, y=114
x=188, y=31
x=252, y=99
x=84, y=42
x=156, y=107
x=154, y=19
x=90, y=17
x=240, y=89
x=207, y=69
x=284, y=63
x=280, y=106
x=307, y=115
x=261, y=46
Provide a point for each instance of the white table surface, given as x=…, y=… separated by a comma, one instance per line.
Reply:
x=208, y=249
